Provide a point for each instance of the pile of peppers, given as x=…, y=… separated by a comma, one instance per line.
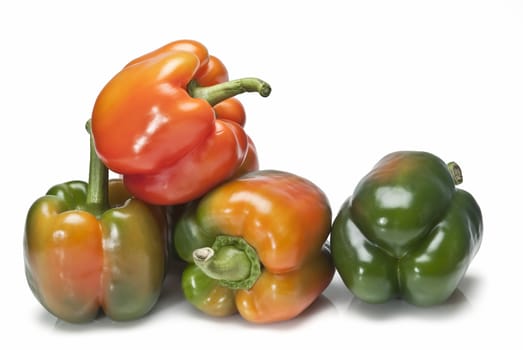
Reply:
x=259, y=243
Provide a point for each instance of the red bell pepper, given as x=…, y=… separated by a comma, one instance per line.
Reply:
x=169, y=124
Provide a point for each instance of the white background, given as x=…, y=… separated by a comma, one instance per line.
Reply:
x=352, y=81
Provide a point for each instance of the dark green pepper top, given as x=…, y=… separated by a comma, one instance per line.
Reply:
x=407, y=231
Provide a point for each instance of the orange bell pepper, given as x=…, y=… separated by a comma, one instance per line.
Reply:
x=92, y=247
x=256, y=245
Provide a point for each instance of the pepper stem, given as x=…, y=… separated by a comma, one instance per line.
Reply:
x=455, y=172
x=97, y=200
x=215, y=94
x=231, y=261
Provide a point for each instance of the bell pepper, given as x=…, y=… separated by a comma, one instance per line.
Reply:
x=255, y=246
x=407, y=231
x=91, y=247
x=179, y=129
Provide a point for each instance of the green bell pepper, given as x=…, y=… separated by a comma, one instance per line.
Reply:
x=407, y=231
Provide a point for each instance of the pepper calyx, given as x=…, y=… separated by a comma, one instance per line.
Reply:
x=231, y=261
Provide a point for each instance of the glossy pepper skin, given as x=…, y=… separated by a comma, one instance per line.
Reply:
x=407, y=231
x=179, y=129
x=92, y=247
x=268, y=261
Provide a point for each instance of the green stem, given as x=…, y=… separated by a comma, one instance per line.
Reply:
x=97, y=200
x=217, y=93
x=231, y=261
x=455, y=172
x=228, y=263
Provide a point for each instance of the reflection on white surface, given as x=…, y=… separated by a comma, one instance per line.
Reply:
x=457, y=304
x=334, y=307
x=172, y=309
